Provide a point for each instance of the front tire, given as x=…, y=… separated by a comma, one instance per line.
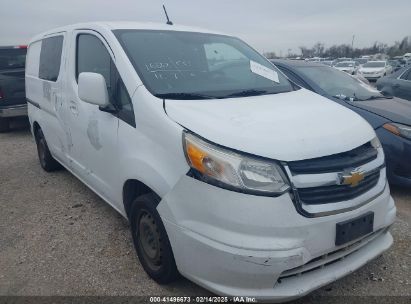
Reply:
x=4, y=125
x=151, y=241
x=47, y=162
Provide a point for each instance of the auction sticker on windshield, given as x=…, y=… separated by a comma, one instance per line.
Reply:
x=263, y=71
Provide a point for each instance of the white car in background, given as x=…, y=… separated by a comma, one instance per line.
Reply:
x=374, y=70
x=350, y=67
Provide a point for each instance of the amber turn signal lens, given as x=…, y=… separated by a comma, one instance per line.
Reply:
x=196, y=157
x=391, y=128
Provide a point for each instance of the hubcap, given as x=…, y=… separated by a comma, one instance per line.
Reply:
x=149, y=240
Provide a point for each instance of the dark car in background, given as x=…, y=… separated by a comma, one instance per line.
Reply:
x=12, y=85
x=390, y=117
x=396, y=65
x=397, y=84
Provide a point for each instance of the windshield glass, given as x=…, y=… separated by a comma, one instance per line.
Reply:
x=344, y=64
x=339, y=84
x=361, y=60
x=187, y=65
x=375, y=64
x=12, y=58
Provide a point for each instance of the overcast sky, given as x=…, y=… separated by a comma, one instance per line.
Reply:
x=268, y=25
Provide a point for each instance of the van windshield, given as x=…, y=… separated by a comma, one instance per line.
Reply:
x=188, y=65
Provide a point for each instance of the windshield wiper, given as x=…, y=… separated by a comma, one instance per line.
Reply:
x=346, y=98
x=246, y=93
x=377, y=97
x=185, y=96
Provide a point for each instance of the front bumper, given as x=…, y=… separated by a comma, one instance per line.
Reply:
x=240, y=245
x=13, y=111
x=372, y=76
x=397, y=157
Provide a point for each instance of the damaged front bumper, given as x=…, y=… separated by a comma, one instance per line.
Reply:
x=242, y=245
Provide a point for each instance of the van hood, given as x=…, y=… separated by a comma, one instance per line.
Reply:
x=287, y=126
x=394, y=109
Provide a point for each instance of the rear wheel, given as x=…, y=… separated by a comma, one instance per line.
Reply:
x=47, y=162
x=151, y=241
x=4, y=124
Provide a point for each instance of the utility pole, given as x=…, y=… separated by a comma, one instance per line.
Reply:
x=352, y=45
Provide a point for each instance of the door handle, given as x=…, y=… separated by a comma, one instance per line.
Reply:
x=396, y=85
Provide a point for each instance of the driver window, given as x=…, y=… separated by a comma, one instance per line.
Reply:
x=92, y=56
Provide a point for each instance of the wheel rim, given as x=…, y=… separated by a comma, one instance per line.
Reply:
x=149, y=240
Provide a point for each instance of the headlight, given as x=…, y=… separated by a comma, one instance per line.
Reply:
x=232, y=170
x=398, y=129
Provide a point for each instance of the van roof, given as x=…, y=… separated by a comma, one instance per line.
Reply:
x=113, y=25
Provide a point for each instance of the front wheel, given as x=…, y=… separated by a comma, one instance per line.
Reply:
x=151, y=241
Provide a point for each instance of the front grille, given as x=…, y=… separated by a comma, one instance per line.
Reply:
x=337, y=193
x=334, y=163
x=331, y=257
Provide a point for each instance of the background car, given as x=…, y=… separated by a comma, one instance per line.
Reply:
x=349, y=67
x=12, y=85
x=397, y=84
x=396, y=65
x=390, y=117
x=361, y=61
x=372, y=70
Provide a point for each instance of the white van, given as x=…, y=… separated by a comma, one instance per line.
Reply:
x=229, y=174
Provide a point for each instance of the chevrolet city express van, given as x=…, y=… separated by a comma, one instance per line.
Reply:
x=228, y=173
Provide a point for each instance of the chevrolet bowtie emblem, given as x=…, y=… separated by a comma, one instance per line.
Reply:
x=352, y=179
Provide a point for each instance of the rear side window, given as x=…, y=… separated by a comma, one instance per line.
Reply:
x=33, y=59
x=50, y=58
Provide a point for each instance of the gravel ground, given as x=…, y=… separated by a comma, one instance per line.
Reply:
x=58, y=238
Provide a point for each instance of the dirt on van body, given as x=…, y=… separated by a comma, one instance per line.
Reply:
x=58, y=238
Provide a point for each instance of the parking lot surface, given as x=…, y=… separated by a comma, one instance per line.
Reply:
x=58, y=238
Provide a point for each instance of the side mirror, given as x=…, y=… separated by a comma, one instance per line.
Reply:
x=92, y=89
